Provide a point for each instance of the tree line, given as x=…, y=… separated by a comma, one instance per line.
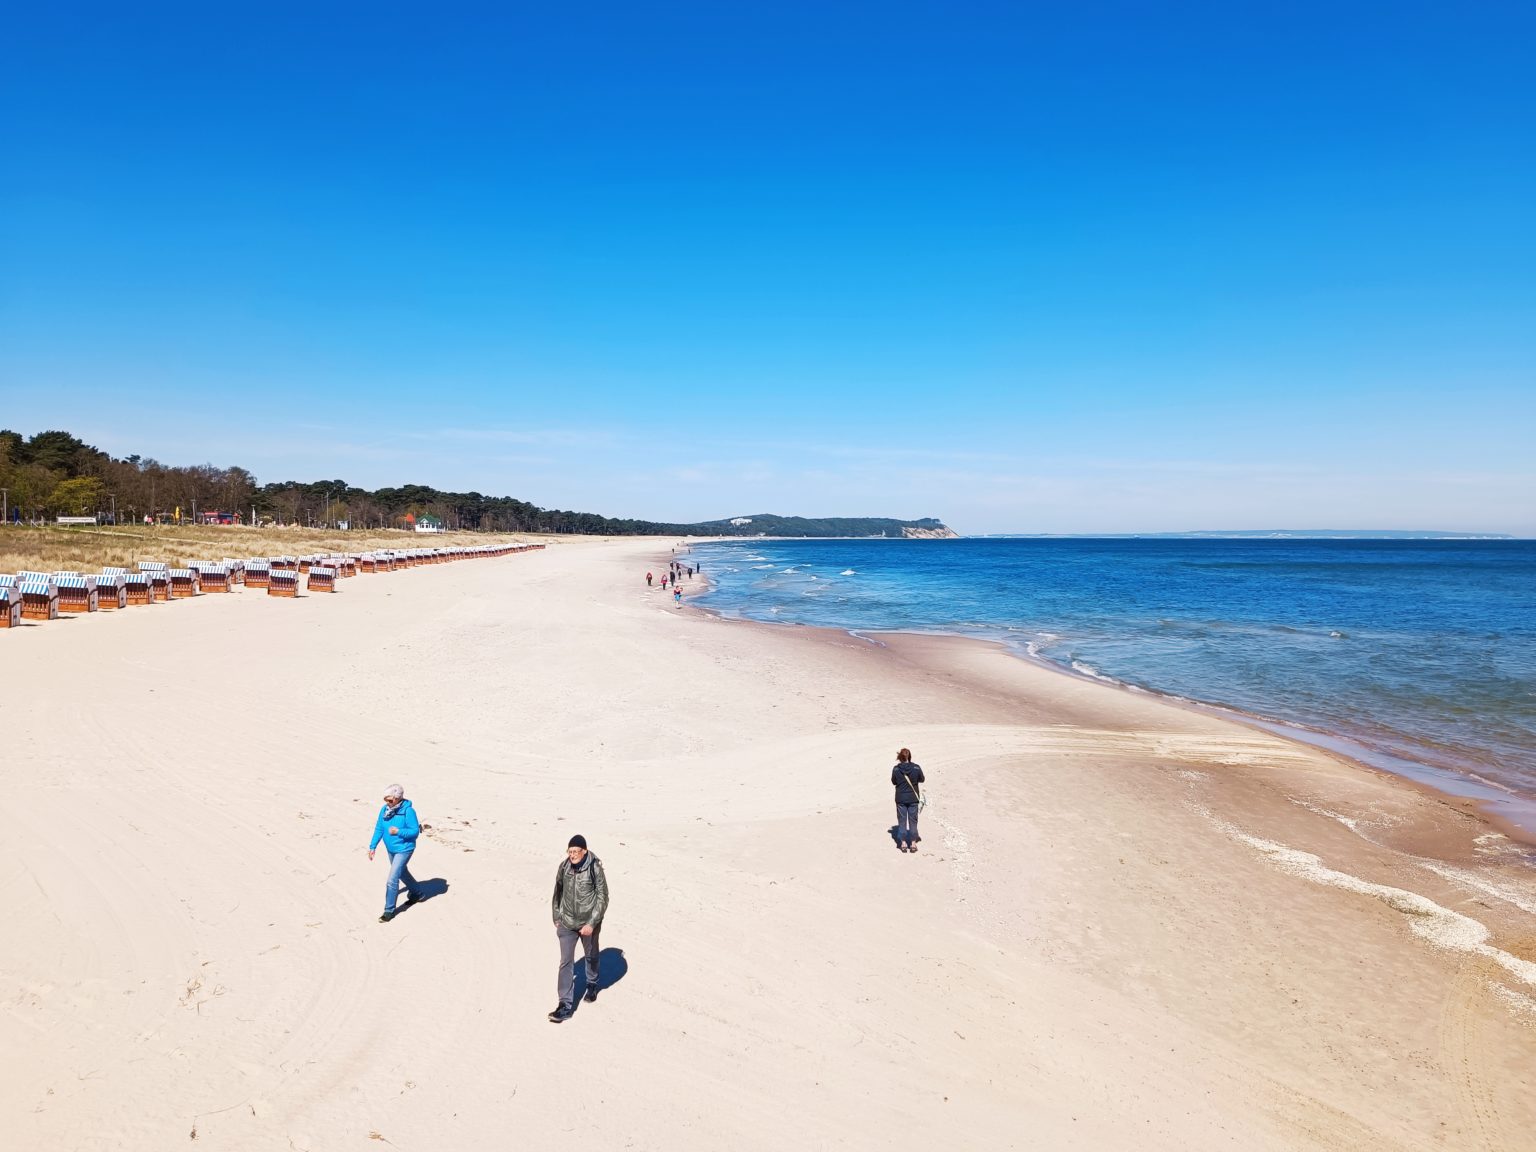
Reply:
x=57, y=474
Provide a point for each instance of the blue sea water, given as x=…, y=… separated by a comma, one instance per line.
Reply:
x=1418, y=656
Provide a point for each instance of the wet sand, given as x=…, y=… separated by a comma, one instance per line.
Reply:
x=1130, y=924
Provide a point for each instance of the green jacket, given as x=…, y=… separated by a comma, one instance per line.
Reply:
x=581, y=894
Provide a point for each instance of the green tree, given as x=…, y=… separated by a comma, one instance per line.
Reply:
x=79, y=497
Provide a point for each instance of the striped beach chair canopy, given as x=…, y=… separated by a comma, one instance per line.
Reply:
x=136, y=578
x=151, y=566
x=73, y=580
x=181, y=573
x=209, y=566
x=114, y=571
x=32, y=587
x=7, y=581
x=111, y=580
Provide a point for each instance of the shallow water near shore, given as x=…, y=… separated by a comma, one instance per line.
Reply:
x=1417, y=656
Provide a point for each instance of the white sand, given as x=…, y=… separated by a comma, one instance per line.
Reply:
x=1102, y=944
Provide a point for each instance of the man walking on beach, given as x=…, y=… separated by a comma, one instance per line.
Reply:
x=581, y=898
x=398, y=827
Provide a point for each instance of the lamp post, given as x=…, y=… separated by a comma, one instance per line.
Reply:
x=114, y=508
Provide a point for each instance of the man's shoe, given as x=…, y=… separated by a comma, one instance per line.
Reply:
x=591, y=993
x=560, y=1015
x=386, y=918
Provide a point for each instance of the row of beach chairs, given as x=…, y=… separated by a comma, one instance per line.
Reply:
x=41, y=596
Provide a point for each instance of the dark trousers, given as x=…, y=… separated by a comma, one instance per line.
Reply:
x=906, y=823
x=568, y=938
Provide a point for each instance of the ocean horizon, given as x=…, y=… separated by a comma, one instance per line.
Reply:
x=1417, y=656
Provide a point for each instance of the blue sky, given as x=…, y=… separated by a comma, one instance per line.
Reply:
x=1090, y=267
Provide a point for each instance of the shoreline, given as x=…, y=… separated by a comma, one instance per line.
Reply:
x=1491, y=800
x=1514, y=832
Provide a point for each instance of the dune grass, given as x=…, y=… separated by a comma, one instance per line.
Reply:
x=86, y=549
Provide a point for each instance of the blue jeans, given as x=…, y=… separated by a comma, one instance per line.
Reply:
x=398, y=872
x=906, y=824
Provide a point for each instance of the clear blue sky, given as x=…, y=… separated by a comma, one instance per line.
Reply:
x=1066, y=267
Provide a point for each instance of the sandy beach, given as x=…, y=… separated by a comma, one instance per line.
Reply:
x=1130, y=925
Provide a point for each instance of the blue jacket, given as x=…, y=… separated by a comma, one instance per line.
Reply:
x=403, y=818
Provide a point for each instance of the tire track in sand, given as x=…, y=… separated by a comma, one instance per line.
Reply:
x=1464, y=1056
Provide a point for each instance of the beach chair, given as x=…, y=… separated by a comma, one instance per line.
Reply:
x=111, y=590
x=138, y=588
x=77, y=593
x=10, y=607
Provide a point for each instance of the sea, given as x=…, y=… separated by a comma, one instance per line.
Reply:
x=1415, y=656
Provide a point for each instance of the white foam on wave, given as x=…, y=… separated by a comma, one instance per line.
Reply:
x=760, y=567
x=1092, y=673
x=1431, y=922
x=1348, y=821
x=1525, y=900
x=848, y=572
x=1518, y=1002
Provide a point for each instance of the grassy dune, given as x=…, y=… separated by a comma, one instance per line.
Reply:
x=83, y=549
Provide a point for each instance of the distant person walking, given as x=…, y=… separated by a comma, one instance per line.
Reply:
x=581, y=898
x=398, y=828
x=677, y=597
x=907, y=777
x=647, y=579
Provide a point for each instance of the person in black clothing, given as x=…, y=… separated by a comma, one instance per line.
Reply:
x=907, y=777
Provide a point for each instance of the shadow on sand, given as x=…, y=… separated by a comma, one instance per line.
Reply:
x=611, y=968
x=892, y=833
x=428, y=888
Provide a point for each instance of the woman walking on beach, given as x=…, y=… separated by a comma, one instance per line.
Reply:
x=398, y=827
x=907, y=776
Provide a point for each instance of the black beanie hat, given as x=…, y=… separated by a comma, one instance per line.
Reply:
x=577, y=842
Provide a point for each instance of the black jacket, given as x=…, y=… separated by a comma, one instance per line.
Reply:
x=902, y=776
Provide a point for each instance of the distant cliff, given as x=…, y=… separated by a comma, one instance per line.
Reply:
x=768, y=524
x=942, y=532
